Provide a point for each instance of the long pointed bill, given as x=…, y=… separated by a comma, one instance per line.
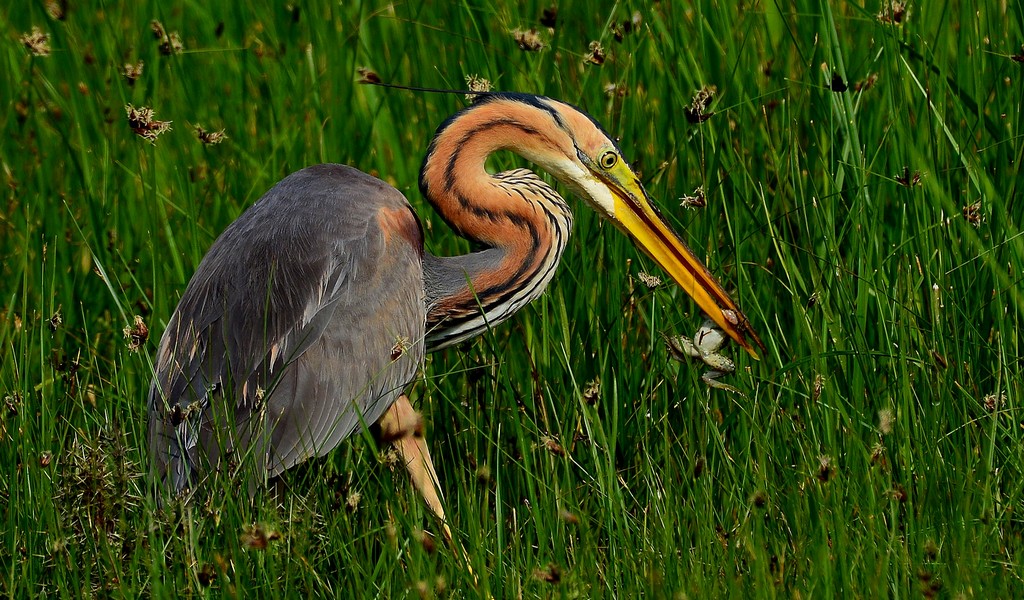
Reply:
x=636, y=216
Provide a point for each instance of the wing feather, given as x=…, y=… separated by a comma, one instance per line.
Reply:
x=283, y=342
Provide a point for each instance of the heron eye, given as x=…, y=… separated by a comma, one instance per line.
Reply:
x=608, y=160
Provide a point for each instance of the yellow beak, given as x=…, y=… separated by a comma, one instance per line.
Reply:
x=637, y=217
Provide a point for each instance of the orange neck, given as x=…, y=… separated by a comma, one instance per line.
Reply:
x=522, y=223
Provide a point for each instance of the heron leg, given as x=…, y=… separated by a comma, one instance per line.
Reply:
x=402, y=427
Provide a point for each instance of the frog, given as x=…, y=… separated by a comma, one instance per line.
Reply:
x=705, y=345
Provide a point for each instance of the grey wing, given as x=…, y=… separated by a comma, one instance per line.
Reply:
x=305, y=319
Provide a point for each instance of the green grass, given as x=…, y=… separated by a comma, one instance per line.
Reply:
x=879, y=448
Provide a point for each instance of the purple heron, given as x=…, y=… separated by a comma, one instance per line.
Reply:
x=311, y=313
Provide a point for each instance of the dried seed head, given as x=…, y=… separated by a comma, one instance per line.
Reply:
x=993, y=402
x=258, y=537
x=885, y=419
x=352, y=501
x=210, y=138
x=56, y=9
x=13, y=403
x=695, y=200
x=475, y=83
x=400, y=347
x=143, y=123
x=759, y=499
x=36, y=42
x=621, y=29
x=817, y=387
x=175, y=416
x=595, y=54
x=207, y=575
x=170, y=42
x=908, y=179
x=615, y=90
x=56, y=320
x=894, y=12
x=698, y=467
x=551, y=574
x=528, y=40
x=698, y=111
x=367, y=75
x=825, y=468
x=426, y=540
x=867, y=83
x=132, y=72
x=972, y=212
x=21, y=112
x=1018, y=58
x=551, y=445
x=136, y=334
x=172, y=45
x=651, y=281
x=391, y=458
x=617, y=32
x=878, y=454
x=549, y=17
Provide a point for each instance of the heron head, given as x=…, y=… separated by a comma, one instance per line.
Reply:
x=580, y=154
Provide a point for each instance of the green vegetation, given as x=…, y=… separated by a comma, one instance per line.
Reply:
x=862, y=174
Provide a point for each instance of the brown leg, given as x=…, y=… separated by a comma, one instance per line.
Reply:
x=402, y=427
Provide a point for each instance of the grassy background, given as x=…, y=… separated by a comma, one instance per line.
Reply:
x=878, y=451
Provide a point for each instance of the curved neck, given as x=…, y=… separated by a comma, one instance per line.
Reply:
x=520, y=221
